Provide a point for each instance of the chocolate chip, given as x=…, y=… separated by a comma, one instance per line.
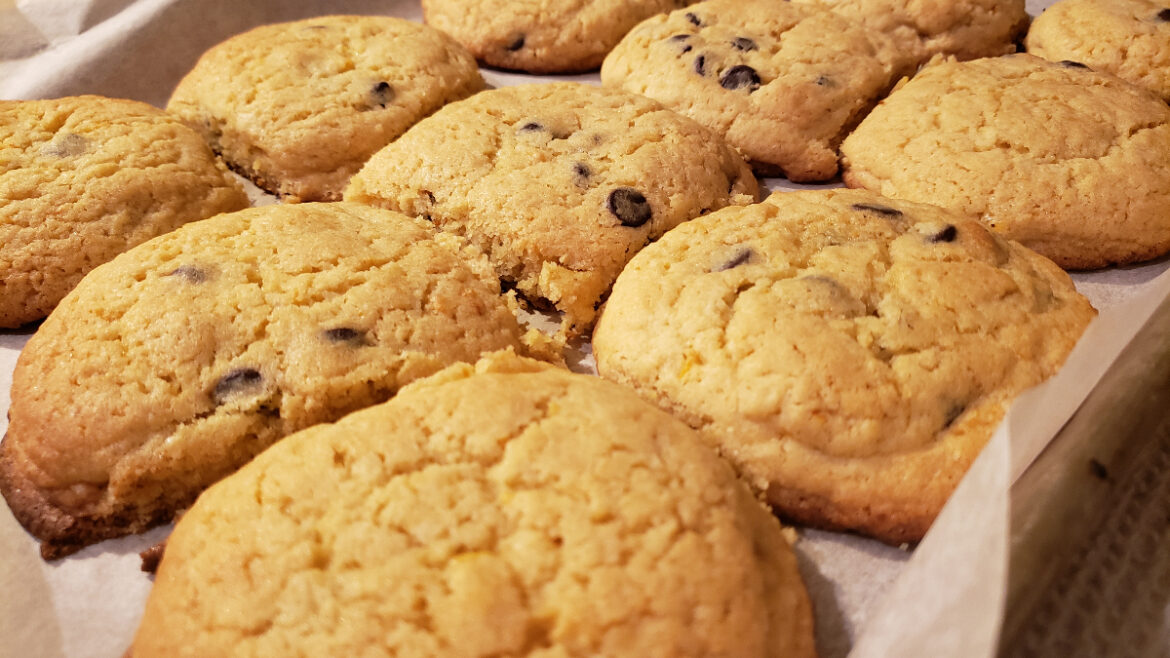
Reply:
x=1098, y=470
x=1164, y=15
x=381, y=95
x=66, y=145
x=1069, y=64
x=190, y=273
x=517, y=44
x=740, y=76
x=701, y=65
x=740, y=257
x=152, y=556
x=953, y=414
x=881, y=210
x=823, y=81
x=694, y=20
x=743, y=43
x=629, y=206
x=680, y=39
x=344, y=335
x=236, y=381
x=531, y=127
x=948, y=234
x=581, y=173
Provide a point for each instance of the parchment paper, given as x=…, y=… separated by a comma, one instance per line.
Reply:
x=945, y=600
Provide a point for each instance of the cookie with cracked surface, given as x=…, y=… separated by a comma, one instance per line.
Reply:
x=1073, y=163
x=85, y=178
x=175, y=363
x=486, y=511
x=966, y=29
x=542, y=36
x=298, y=107
x=1128, y=38
x=850, y=354
x=560, y=184
x=782, y=83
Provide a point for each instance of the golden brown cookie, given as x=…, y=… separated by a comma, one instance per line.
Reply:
x=1073, y=163
x=85, y=178
x=1128, y=38
x=848, y=353
x=781, y=82
x=560, y=184
x=299, y=107
x=177, y=362
x=505, y=509
x=542, y=36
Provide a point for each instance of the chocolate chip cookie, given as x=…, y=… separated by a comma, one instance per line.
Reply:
x=965, y=29
x=1073, y=163
x=542, y=36
x=85, y=178
x=560, y=184
x=781, y=82
x=177, y=362
x=299, y=107
x=486, y=511
x=1128, y=38
x=850, y=354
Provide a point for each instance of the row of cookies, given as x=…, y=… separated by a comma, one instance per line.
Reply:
x=562, y=140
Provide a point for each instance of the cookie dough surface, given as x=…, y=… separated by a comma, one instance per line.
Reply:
x=1073, y=163
x=174, y=364
x=560, y=184
x=85, y=178
x=299, y=107
x=781, y=82
x=849, y=354
x=542, y=36
x=1128, y=38
x=967, y=29
x=487, y=511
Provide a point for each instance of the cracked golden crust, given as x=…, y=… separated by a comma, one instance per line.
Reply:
x=1072, y=163
x=488, y=511
x=966, y=29
x=850, y=354
x=541, y=36
x=1124, y=37
x=526, y=173
x=818, y=74
x=85, y=178
x=180, y=360
x=298, y=107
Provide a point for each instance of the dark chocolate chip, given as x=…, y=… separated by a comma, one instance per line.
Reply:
x=236, y=381
x=953, y=414
x=190, y=273
x=694, y=20
x=629, y=206
x=948, y=234
x=680, y=40
x=344, y=335
x=1164, y=15
x=152, y=556
x=740, y=76
x=679, y=37
x=531, y=127
x=381, y=95
x=881, y=210
x=743, y=43
x=66, y=145
x=1098, y=470
x=701, y=64
x=740, y=257
x=1069, y=64
x=517, y=44
x=823, y=81
x=581, y=173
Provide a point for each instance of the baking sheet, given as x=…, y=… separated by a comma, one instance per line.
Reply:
x=944, y=599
